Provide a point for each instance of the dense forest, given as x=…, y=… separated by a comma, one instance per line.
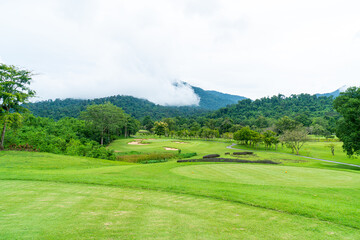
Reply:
x=308, y=110
x=84, y=127
x=97, y=126
x=303, y=108
x=136, y=107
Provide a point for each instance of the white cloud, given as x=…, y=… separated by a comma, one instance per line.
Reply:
x=88, y=49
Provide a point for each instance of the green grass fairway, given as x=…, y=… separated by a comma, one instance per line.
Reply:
x=48, y=196
x=43, y=210
x=159, y=144
x=314, y=149
x=271, y=175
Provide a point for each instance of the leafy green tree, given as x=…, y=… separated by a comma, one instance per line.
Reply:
x=104, y=119
x=195, y=126
x=348, y=129
x=295, y=139
x=244, y=135
x=286, y=124
x=227, y=135
x=160, y=128
x=304, y=119
x=226, y=125
x=332, y=148
x=132, y=125
x=255, y=138
x=269, y=138
x=262, y=122
x=211, y=123
x=171, y=122
x=208, y=133
x=147, y=123
x=14, y=91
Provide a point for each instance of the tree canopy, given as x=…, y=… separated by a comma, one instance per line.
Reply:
x=14, y=91
x=348, y=128
x=105, y=119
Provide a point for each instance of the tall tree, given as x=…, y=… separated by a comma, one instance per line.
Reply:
x=295, y=139
x=105, y=119
x=348, y=129
x=286, y=124
x=160, y=128
x=14, y=91
x=147, y=123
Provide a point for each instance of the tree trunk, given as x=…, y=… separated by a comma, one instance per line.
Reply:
x=102, y=138
x=3, y=137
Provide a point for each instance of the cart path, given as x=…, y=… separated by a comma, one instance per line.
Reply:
x=323, y=160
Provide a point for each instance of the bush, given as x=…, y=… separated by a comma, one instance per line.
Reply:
x=187, y=155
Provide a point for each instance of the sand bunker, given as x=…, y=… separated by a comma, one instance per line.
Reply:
x=171, y=149
x=180, y=142
x=138, y=142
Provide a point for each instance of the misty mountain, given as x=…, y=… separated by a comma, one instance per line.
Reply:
x=209, y=99
x=335, y=93
x=136, y=107
x=213, y=100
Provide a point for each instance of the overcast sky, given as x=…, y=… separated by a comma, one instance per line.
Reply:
x=97, y=48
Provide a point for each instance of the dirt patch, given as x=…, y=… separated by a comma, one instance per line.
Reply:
x=171, y=149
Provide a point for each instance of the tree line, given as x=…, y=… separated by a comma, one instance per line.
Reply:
x=267, y=119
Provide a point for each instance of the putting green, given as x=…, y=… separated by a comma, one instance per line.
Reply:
x=48, y=210
x=271, y=175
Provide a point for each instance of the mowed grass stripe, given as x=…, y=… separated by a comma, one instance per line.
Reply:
x=75, y=211
x=271, y=175
x=338, y=205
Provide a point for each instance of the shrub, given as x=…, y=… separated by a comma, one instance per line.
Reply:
x=187, y=155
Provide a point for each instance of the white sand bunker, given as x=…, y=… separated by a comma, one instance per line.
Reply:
x=171, y=149
x=138, y=142
x=180, y=142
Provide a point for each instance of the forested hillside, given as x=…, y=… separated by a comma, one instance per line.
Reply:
x=136, y=107
x=261, y=113
x=278, y=106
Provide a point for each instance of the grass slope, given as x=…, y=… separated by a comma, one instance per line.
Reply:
x=43, y=210
x=61, y=197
